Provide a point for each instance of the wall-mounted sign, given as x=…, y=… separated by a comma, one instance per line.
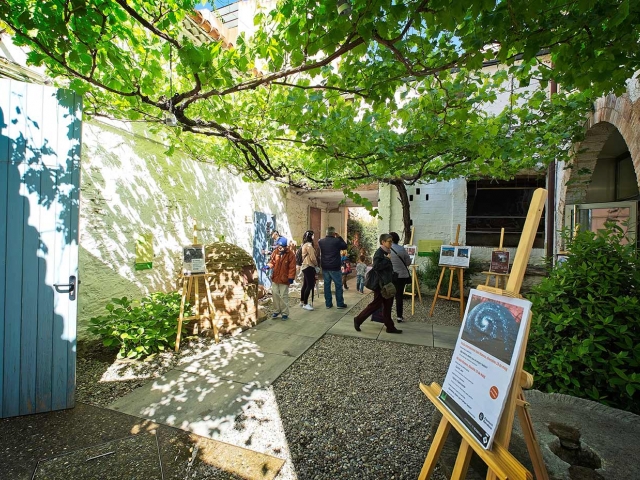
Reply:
x=455, y=256
x=484, y=361
x=193, y=260
x=144, y=251
x=499, y=262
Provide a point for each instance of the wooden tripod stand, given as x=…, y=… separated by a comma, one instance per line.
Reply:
x=502, y=465
x=448, y=296
x=189, y=282
x=415, y=286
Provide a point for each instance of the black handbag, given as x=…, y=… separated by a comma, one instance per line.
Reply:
x=372, y=280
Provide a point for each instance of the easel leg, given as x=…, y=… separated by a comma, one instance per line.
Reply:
x=461, y=287
x=436, y=448
x=462, y=462
x=435, y=297
x=533, y=446
x=415, y=274
x=413, y=291
x=451, y=272
x=212, y=312
x=197, y=302
x=185, y=294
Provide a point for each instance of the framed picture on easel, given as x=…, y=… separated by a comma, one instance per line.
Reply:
x=455, y=256
x=499, y=261
x=412, y=250
x=479, y=378
x=193, y=260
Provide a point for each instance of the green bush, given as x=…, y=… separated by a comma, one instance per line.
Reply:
x=143, y=329
x=429, y=274
x=586, y=322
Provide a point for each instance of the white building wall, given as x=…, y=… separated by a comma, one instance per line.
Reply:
x=436, y=218
x=130, y=187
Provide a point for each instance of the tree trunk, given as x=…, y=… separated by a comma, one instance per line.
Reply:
x=406, y=212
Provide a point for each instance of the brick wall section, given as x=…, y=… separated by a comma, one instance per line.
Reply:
x=610, y=112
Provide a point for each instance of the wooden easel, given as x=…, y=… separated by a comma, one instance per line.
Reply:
x=415, y=286
x=498, y=276
x=452, y=271
x=189, y=282
x=501, y=463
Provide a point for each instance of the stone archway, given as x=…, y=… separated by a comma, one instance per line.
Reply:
x=610, y=113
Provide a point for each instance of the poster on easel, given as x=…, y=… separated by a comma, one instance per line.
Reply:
x=484, y=361
x=499, y=261
x=455, y=256
x=193, y=260
x=412, y=250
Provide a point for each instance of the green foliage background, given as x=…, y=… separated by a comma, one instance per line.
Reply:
x=140, y=328
x=586, y=323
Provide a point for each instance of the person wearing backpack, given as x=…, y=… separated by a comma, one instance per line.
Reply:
x=309, y=268
x=283, y=264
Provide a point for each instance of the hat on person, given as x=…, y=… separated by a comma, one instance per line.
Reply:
x=281, y=242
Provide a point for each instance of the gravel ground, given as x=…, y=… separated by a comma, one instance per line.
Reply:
x=350, y=407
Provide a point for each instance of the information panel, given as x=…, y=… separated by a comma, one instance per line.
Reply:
x=484, y=360
x=455, y=256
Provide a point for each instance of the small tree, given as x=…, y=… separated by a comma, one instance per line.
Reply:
x=586, y=322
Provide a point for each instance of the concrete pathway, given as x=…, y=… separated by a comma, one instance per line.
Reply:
x=223, y=393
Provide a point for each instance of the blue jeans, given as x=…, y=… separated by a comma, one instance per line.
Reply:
x=360, y=283
x=336, y=277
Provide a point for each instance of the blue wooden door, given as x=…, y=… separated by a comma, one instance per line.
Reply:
x=264, y=225
x=40, y=143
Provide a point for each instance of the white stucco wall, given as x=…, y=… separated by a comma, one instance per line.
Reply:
x=436, y=218
x=130, y=187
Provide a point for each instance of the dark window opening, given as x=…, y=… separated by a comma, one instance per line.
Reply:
x=493, y=205
x=417, y=191
x=410, y=223
x=426, y=196
x=411, y=198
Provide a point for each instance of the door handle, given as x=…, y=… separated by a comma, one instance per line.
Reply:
x=70, y=287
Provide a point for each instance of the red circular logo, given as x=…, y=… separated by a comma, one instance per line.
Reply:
x=493, y=392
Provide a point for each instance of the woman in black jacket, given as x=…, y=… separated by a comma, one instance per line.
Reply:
x=383, y=267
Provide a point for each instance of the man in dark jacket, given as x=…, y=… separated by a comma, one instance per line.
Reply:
x=330, y=262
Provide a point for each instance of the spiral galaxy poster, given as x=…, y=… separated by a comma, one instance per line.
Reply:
x=484, y=359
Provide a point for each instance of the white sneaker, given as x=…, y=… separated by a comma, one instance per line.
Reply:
x=307, y=307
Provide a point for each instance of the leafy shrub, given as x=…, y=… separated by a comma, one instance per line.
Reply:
x=429, y=274
x=586, y=322
x=139, y=330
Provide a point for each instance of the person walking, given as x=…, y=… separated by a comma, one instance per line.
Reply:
x=399, y=259
x=283, y=264
x=308, y=268
x=361, y=270
x=330, y=247
x=383, y=267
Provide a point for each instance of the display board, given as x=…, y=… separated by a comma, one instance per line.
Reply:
x=193, y=260
x=412, y=250
x=484, y=362
x=499, y=261
x=455, y=256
